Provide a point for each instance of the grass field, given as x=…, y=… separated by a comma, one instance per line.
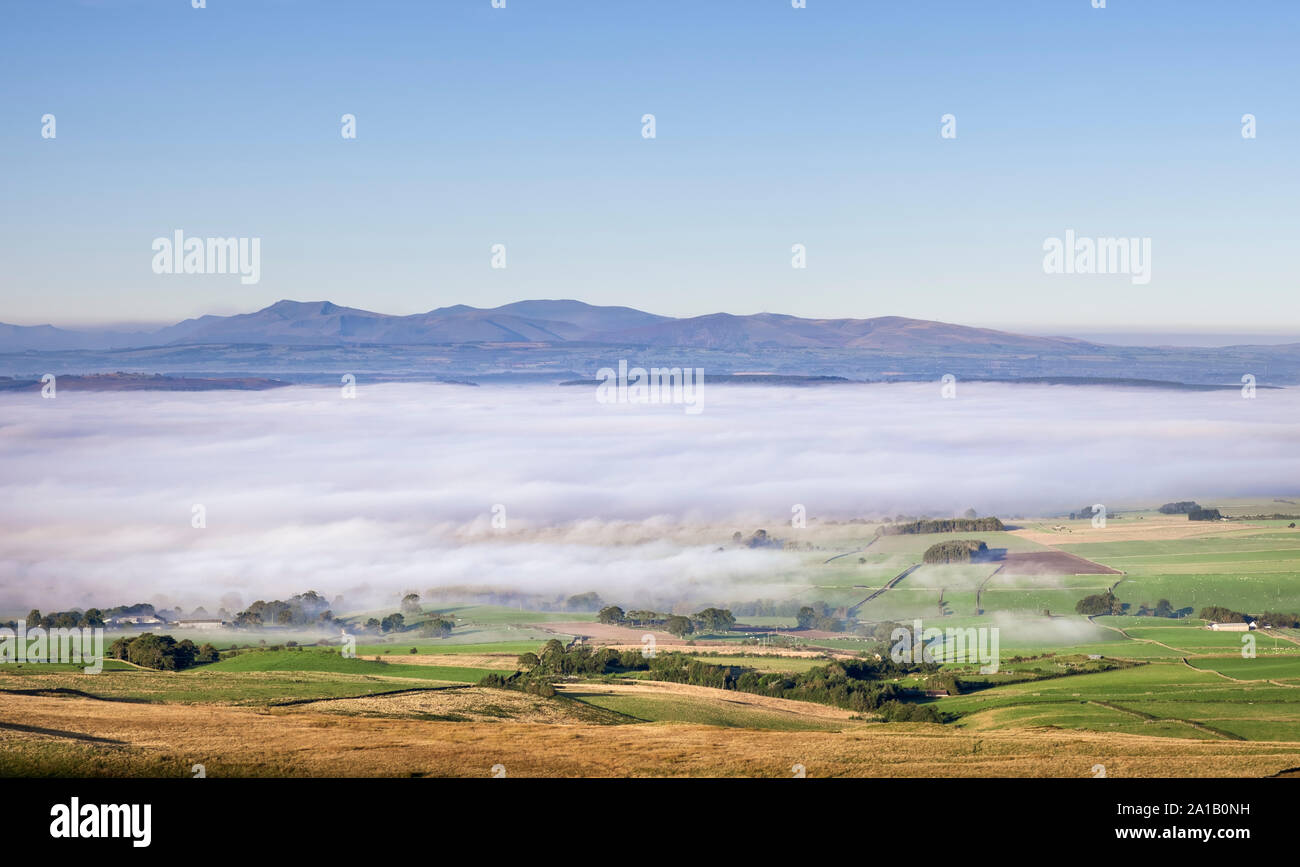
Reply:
x=327, y=661
x=1179, y=699
x=1159, y=693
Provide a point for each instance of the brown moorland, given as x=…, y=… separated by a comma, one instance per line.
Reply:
x=77, y=736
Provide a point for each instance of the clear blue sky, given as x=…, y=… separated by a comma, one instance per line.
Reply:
x=775, y=126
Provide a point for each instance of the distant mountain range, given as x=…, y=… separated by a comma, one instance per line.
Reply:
x=315, y=323
x=301, y=341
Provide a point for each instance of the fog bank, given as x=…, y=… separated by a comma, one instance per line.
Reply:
x=396, y=488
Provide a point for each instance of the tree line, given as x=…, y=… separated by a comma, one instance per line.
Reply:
x=710, y=620
x=858, y=685
x=944, y=525
x=1276, y=619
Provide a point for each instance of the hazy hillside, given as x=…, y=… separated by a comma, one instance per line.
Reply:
x=563, y=340
x=322, y=322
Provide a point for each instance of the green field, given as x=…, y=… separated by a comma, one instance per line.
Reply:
x=1168, y=676
x=439, y=646
x=328, y=661
x=1170, y=693
x=1251, y=570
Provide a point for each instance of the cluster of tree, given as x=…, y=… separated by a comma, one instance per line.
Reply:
x=555, y=660
x=710, y=620
x=954, y=551
x=856, y=685
x=859, y=685
x=1182, y=507
x=139, y=609
x=436, y=627
x=713, y=620
x=799, y=546
x=590, y=601
x=301, y=610
x=162, y=652
x=769, y=608
x=518, y=681
x=612, y=614
x=903, y=519
x=1276, y=619
x=432, y=627
x=1204, y=515
x=945, y=525
x=809, y=617
x=1099, y=603
x=1163, y=609
x=1085, y=512
x=882, y=631
x=394, y=622
x=90, y=618
x=759, y=539
x=1106, y=603
x=1219, y=614
x=643, y=617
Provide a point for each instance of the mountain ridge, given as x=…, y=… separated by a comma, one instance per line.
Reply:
x=551, y=321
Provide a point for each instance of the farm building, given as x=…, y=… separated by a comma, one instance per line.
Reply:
x=1232, y=627
x=201, y=624
x=146, y=621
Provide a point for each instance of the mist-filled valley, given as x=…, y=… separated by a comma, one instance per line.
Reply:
x=545, y=490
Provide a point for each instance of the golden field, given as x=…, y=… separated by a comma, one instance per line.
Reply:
x=63, y=735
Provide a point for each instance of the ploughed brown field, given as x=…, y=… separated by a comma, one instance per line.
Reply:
x=1052, y=563
x=609, y=632
x=78, y=736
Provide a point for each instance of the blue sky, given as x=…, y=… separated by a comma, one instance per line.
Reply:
x=775, y=126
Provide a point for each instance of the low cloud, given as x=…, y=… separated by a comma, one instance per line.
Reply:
x=395, y=489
